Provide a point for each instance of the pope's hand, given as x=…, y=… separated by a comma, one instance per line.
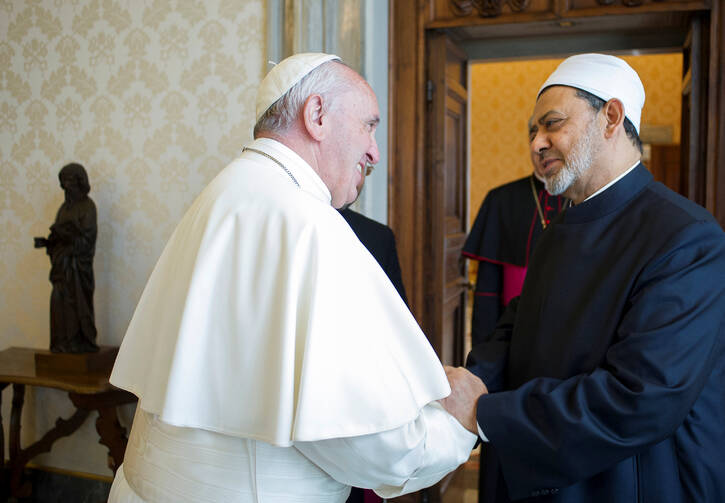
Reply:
x=466, y=389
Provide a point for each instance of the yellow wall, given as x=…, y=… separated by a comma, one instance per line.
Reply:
x=503, y=95
x=153, y=98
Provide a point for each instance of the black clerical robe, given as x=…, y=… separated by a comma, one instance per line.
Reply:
x=502, y=237
x=607, y=374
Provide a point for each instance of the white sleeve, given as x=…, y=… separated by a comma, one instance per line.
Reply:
x=394, y=462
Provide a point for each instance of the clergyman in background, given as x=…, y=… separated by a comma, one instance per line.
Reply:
x=501, y=241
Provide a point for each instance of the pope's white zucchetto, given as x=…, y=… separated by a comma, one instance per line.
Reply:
x=286, y=74
x=603, y=76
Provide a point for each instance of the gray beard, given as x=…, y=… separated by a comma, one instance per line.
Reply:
x=577, y=163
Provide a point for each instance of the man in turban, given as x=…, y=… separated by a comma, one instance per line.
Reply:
x=607, y=374
x=273, y=359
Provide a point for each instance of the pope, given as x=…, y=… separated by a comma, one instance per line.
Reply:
x=273, y=359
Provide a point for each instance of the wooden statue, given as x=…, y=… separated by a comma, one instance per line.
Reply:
x=71, y=245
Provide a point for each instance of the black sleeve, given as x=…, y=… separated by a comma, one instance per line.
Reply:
x=392, y=268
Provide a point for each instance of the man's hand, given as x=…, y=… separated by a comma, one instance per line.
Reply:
x=466, y=389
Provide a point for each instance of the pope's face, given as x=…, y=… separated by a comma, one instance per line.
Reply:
x=563, y=139
x=354, y=117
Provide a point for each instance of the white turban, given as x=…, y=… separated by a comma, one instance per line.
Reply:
x=604, y=76
x=286, y=74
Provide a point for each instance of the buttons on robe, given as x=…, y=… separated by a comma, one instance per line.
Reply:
x=544, y=492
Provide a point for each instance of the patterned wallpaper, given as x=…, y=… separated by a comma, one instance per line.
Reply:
x=502, y=98
x=153, y=97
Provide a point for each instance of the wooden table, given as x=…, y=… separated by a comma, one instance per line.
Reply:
x=89, y=391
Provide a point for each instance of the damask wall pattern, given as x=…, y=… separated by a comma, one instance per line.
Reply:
x=153, y=97
x=502, y=98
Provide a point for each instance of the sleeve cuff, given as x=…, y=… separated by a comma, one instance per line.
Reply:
x=480, y=433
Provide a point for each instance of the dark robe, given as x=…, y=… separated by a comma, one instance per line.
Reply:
x=380, y=242
x=607, y=373
x=502, y=238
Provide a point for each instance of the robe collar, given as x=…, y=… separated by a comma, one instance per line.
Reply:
x=611, y=199
x=613, y=181
x=306, y=177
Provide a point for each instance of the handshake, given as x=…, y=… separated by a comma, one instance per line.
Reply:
x=466, y=389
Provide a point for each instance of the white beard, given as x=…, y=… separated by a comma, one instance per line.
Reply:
x=576, y=163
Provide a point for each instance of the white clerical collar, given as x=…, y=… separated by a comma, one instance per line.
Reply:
x=301, y=172
x=612, y=182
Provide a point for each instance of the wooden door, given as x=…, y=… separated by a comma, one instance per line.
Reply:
x=447, y=187
x=694, y=111
x=664, y=164
x=715, y=176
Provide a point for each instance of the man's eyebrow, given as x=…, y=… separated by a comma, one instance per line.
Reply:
x=543, y=118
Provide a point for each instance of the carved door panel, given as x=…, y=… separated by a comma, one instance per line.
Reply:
x=447, y=184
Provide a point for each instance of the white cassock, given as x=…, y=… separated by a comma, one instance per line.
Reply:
x=273, y=359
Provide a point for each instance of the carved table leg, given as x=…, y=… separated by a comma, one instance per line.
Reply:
x=112, y=434
x=2, y=431
x=15, y=415
x=3, y=481
x=16, y=464
x=62, y=428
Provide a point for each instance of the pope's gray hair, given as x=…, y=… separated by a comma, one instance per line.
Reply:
x=326, y=80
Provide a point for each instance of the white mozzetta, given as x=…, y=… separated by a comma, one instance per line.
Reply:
x=265, y=318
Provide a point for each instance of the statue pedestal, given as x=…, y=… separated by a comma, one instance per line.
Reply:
x=75, y=363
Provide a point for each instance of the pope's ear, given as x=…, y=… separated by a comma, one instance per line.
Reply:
x=313, y=115
x=614, y=113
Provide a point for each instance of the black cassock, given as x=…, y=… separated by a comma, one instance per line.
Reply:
x=608, y=372
x=502, y=238
x=380, y=242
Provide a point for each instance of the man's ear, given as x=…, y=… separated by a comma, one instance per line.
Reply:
x=614, y=113
x=313, y=115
